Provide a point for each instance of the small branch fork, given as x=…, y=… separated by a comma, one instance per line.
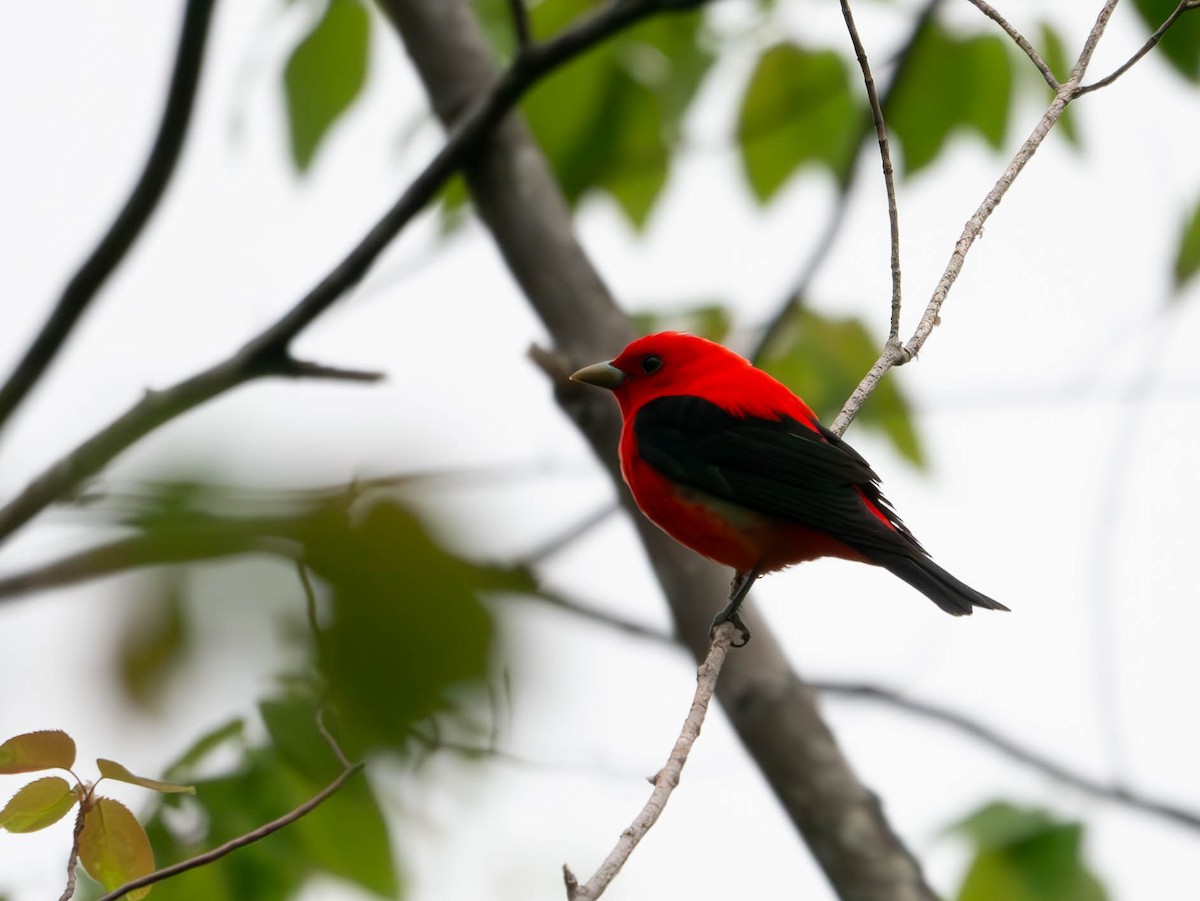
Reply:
x=894, y=353
x=666, y=779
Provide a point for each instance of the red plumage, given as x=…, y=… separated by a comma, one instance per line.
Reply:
x=731, y=463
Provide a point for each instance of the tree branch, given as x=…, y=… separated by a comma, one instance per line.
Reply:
x=1151, y=43
x=251, y=837
x=1020, y=40
x=143, y=200
x=773, y=712
x=886, y=161
x=893, y=355
x=665, y=780
x=267, y=354
x=1116, y=793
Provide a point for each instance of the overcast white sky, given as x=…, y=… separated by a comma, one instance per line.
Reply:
x=1038, y=493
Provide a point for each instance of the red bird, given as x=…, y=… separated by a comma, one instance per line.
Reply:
x=729, y=462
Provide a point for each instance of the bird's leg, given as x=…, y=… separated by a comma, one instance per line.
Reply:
x=738, y=589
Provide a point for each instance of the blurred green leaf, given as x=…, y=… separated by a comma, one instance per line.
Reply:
x=1055, y=54
x=32, y=751
x=710, y=321
x=1181, y=43
x=950, y=83
x=409, y=629
x=610, y=119
x=155, y=640
x=1187, y=257
x=823, y=360
x=41, y=803
x=798, y=109
x=324, y=74
x=186, y=763
x=1024, y=854
x=113, y=846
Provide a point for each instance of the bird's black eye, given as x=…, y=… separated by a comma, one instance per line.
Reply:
x=651, y=363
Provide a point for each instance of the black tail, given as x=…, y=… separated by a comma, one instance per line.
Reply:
x=955, y=597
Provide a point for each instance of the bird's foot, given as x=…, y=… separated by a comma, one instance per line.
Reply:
x=732, y=617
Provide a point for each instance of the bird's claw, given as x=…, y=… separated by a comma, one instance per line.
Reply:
x=743, y=633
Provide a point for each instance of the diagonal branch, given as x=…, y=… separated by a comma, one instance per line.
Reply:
x=1020, y=40
x=143, y=200
x=665, y=781
x=885, y=156
x=268, y=353
x=1151, y=43
x=894, y=355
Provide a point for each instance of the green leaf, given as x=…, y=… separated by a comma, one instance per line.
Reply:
x=1055, y=54
x=798, y=109
x=710, y=321
x=113, y=847
x=47, y=750
x=611, y=119
x=155, y=641
x=291, y=723
x=110, y=769
x=823, y=360
x=1187, y=257
x=950, y=84
x=324, y=74
x=1181, y=43
x=409, y=631
x=1024, y=854
x=205, y=745
x=39, y=804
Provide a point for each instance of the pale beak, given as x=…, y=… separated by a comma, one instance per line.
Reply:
x=602, y=375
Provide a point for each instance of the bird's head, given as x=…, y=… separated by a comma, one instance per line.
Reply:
x=662, y=364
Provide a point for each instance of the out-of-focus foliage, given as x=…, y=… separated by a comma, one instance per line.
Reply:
x=823, y=359
x=709, y=320
x=950, y=83
x=797, y=109
x=1187, y=257
x=1024, y=854
x=401, y=637
x=345, y=837
x=324, y=75
x=1180, y=46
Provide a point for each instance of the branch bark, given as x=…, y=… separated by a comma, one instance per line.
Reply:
x=143, y=200
x=773, y=712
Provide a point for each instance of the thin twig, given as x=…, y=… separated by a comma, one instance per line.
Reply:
x=989, y=736
x=892, y=355
x=886, y=160
x=567, y=536
x=1020, y=40
x=73, y=860
x=310, y=611
x=143, y=200
x=268, y=353
x=234, y=844
x=667, y=778
x=1151, y=43
x=520, y=17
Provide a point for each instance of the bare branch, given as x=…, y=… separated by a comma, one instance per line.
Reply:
x=520, y=17
x=1151, y=43
x=894, y=355
x=267, y=354
x=1111, y=792
x=234, y=844
x=667, y=778
x=73, y=859
x=1020, y=40
x=886, y=160
x=143, y=200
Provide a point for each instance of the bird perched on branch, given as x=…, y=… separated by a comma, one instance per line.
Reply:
x=729, y=462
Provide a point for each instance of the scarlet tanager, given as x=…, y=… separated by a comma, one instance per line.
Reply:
x=729, y=462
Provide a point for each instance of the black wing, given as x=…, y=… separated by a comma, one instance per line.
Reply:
x=780, y=468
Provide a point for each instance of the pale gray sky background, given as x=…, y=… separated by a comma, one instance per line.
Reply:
x=1038, y=493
